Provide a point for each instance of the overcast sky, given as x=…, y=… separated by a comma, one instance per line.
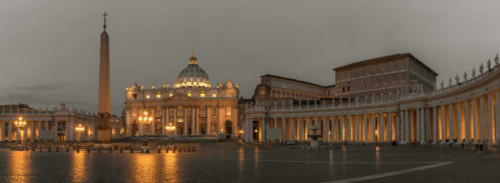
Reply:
x=49, y=49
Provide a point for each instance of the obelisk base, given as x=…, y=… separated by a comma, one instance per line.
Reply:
x=103, y=135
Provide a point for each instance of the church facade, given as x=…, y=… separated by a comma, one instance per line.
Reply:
x=191, y=104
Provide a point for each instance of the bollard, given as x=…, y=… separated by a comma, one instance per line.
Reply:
x=477, y=146
x=88, y=149
x=173, y=151
x=481, y=148
x=463, y=145
x=159, y=150
x=67, y=149
x=121, y=150
x=131, y=150
x=147, y=150
x=57, y=148
x=27, y=148
x=77, y=150
x=166, y=150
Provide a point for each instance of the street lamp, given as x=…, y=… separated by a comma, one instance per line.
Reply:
x=19, y=123
x=170, y=129
x=146, y=118
x=79, y=129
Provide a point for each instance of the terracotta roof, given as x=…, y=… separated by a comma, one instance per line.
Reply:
x=395, y=56
x=295, y=80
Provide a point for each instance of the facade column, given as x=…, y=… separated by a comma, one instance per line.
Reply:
x=2, y=133
x=474, y=122
x=175, y=120
x=292, y=129
x=489, y=126
x=54, y=131
x=482, y=121
x=325, y=129
x=443, y=131
x=275, y=121
x=422, y=125
x=381, y=127
x=308, y=125
x=389, y=126
x=32, y=136
x=218, y=119
x=497, y=117
x=301, y=130
x=185, y=130
x=434, y=125
x=459, y=123
x=193, y=125
x=10, y=131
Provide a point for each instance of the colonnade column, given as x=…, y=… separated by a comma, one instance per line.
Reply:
x=381, y=127
x=292, y=129
x=397, y=124
x=466, y=121
x=434, y=125
x=365, y=127
x=442, y=119
x=474, y=121
x=407, y=125
x=373, y=128
x=356, y=122
x=482, y=121
x=497, y=116
x=450, y=124
x=348, y=128
x=301, y=131
x=332, y=129
x=341, y=129
x=459, y=123
x=389, y=126
x=489, y=126
x=284, y=129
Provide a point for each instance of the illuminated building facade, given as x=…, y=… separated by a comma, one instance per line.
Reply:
x=387, y=99
x=56, y=125
x=191, y=104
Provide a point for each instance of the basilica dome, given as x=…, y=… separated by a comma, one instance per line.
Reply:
x=193, y=75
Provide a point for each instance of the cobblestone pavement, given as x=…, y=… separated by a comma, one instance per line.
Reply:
x=218, y=163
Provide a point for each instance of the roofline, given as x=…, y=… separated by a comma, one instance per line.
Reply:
x=383, y=58
x=295, y=80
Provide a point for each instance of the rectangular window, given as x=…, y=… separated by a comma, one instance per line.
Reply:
x=158, y=95
x=228, y=111
x=134, y=112
x=202, y=94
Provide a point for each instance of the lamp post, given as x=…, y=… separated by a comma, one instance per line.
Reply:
x=170, y=129
x=19, y=123
x=145, y=118
x=79, y=129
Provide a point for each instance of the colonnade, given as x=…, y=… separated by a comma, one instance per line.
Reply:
x=472, y=119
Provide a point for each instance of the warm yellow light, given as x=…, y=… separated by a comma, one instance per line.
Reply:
x=241, y=131
x=189, y=94
x=140, y=118
x=202, y=94
x=214, y=95
x=158, y=95
x=255, y=131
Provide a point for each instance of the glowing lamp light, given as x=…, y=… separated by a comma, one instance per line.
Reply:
x=79, y=128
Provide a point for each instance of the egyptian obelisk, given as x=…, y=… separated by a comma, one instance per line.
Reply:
x=103, y=111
